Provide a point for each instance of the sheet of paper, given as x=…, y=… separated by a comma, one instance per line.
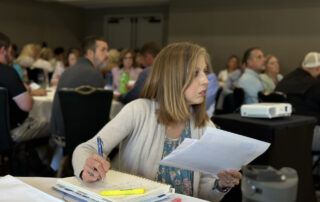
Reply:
x=216, y=150
x=13, y=189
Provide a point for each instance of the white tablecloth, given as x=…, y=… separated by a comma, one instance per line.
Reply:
x=42, y=106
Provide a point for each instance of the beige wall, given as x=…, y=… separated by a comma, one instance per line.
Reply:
x=95, y=17
x=28, y=21
x=288, y=30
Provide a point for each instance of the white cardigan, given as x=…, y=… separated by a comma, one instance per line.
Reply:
x=142, y=142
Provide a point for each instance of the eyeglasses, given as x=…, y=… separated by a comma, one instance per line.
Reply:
x=125, y=58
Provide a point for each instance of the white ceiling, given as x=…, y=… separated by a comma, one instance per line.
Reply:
x=109, y=3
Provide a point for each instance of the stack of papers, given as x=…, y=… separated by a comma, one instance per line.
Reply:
x=13, y=189
x=114, y=180
x=216, y=150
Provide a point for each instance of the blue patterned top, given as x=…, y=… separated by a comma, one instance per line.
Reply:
x=180, y=179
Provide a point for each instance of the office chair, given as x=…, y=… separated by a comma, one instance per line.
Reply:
x=17, y=158
x=233, y=101
x=6, y=143
x=85, y=110
x=36, y=75
x=275, y=96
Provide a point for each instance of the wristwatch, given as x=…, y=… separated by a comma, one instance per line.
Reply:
x=220, y=189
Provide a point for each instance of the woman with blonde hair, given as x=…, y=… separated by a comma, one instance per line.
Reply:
x=172, y=107
x=43, y=61
x=26, y=59
x=112, y=62
x=271, y=76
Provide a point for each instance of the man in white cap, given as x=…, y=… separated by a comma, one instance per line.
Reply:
x=303, y=91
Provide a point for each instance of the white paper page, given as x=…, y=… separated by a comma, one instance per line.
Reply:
x=216, y=150
x=13, y=189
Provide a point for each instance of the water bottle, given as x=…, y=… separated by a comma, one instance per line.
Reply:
x=124, y=79
x=42, y=80
x=109, y=81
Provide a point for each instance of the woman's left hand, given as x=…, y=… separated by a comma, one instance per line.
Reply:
x=229, y=178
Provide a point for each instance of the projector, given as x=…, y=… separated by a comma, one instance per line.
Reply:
x=266, y=110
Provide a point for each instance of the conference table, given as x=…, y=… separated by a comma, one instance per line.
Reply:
x=45, y=184
x=291, y=140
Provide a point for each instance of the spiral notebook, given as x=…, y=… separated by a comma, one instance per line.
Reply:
x=114, y=180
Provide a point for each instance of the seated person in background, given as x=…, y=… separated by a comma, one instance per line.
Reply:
x=213, y=87
x=149, y=51
x=22, y=126
x=230, y=84
x=38, y=91
x=26, y=59
x=85, y=72
x=59, y=58
x=43, y=63
x=72, y=58
x=303, y=91
x=271, y=76
x=14, y=53
x=113, y=61
x=232, y=65
x=139, y=59
x=233, y=80
x=172, y=107
x=126, y=69
x=250, y=81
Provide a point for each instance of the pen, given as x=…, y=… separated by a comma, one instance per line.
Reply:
x=122, y=192
x=99, y=142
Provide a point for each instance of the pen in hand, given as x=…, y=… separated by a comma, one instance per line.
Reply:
x=99, y=142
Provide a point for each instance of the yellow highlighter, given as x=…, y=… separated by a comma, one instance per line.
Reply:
x=122, y=192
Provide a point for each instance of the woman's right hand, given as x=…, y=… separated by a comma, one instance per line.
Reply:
x=95, y=168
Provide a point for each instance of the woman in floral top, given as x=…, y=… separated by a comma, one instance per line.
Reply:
x=172, y=107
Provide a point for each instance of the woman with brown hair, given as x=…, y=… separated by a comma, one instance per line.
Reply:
x=72, y=58
x=172, y=107
x=127, y=66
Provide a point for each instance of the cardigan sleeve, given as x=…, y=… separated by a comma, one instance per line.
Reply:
x=111, y=134
x=206, y=191
x=207, y=181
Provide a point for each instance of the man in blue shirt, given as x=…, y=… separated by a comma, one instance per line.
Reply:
x=250, y=81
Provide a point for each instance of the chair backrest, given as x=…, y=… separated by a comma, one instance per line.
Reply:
x=218, y=94
x=36, y=75
x=275, y=96
x=5, y=136
x=85, y=111
x=233, y=101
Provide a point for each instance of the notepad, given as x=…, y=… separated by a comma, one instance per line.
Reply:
x=114, y=180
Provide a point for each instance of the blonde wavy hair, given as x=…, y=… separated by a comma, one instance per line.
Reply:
x=172, y=72
x=46, y=54
x=27, y=51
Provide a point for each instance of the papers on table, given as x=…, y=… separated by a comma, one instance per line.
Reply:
x=216, y=150
x=12, y=189
x=114, y=180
